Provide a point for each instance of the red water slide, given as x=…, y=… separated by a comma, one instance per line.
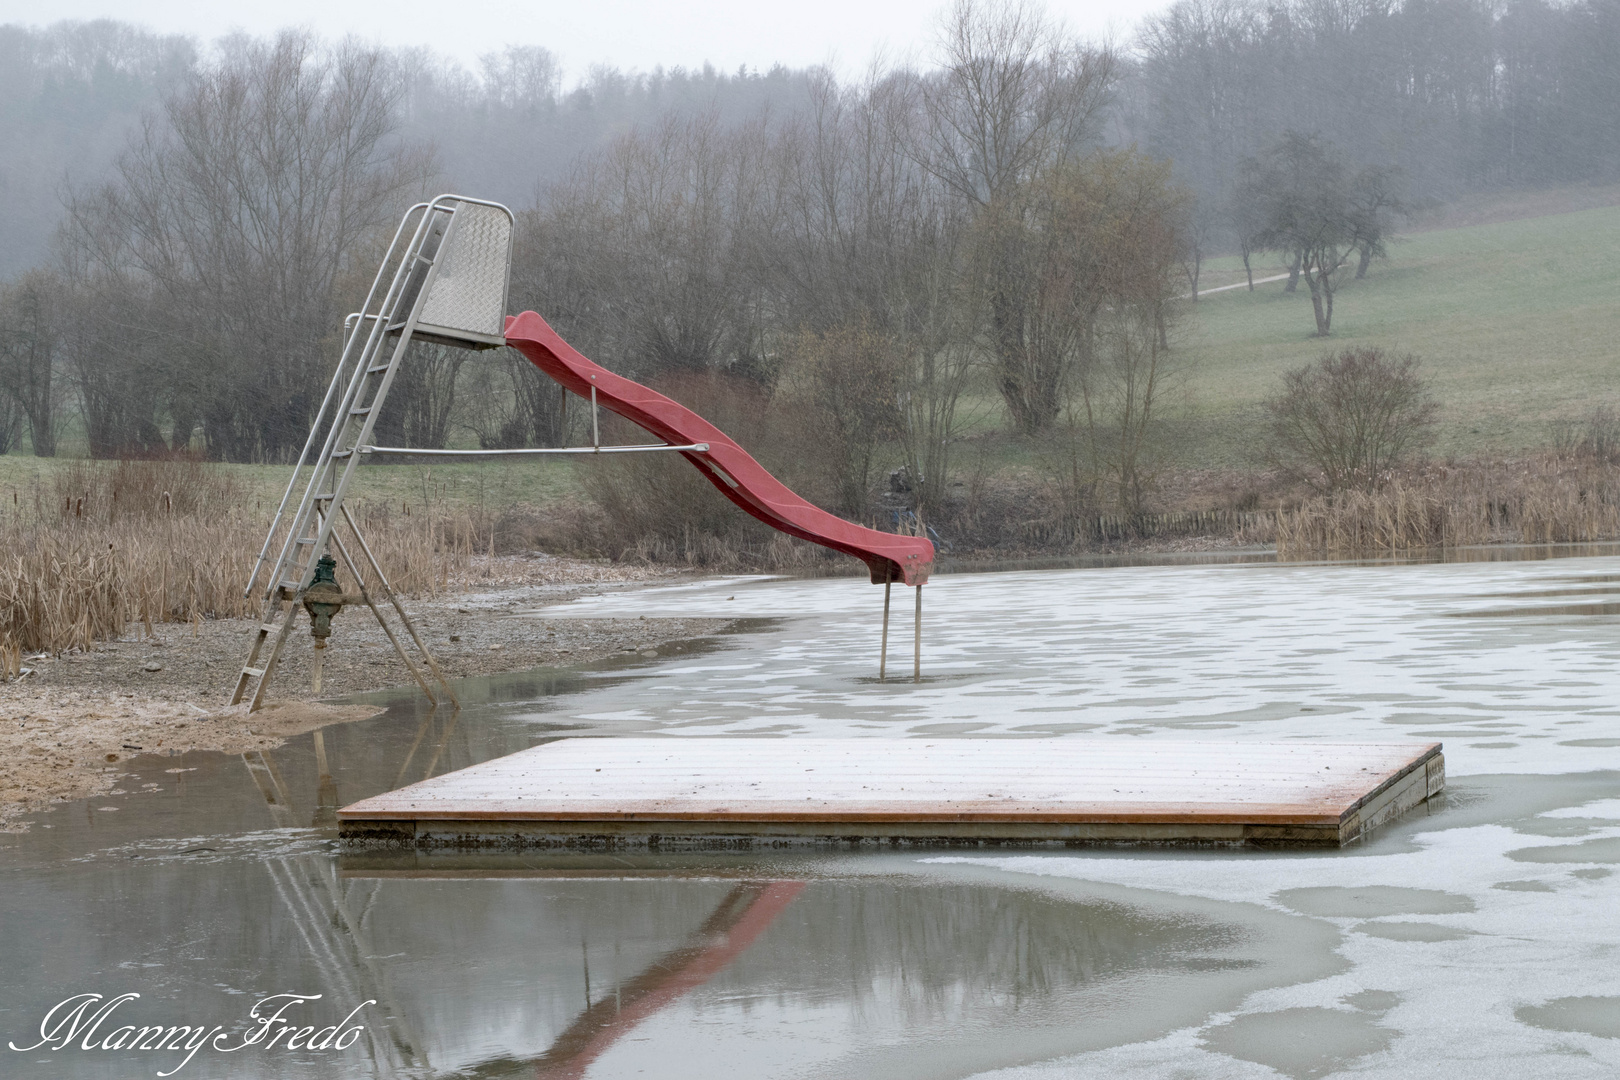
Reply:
x=728, y=466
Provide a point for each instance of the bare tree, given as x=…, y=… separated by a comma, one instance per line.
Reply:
x=30, y=333
x=521, y=78
x=1015, y=99
x=236, y=213
x=871, y=244
x=941, y=350
x=1245, y=213
x=1308, y=212
x=1345, y=421
x=124, y=368
x=1375, y=202
x=1117, y=229
x=422, y=398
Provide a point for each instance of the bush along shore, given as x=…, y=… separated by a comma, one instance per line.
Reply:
x=1550, y=498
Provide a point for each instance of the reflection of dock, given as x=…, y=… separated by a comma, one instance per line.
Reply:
x=708, y=792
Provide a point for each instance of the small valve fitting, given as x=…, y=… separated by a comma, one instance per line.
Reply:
x=323, y=599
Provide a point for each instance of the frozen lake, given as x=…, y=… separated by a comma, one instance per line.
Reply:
x=1478, y=939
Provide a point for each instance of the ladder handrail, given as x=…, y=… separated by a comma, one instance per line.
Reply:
x=320, y=415
x=349, y=411
x=366, y=352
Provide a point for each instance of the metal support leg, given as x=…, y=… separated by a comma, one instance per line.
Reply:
x=883, y=657
x=388, y=594
x=288, y=617
x=365, y=594
x=916, y=642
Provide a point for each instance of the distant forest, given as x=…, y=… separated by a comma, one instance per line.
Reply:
x=184, y=227
x=71, y=96
x=1460, y=95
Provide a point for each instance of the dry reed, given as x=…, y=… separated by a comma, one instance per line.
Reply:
x=169, y=542
x=1547, y=500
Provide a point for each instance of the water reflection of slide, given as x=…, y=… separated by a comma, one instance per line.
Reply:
x=334, y=934
x=556, y=965
x=727, y=466
x=742, y=916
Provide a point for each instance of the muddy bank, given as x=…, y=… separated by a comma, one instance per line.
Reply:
x=66, y=727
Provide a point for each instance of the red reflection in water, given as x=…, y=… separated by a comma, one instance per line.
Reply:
x=742, y=916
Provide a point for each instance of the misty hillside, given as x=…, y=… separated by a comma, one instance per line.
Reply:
x=69, y=98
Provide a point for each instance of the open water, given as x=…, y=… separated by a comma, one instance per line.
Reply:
x=1477, y=938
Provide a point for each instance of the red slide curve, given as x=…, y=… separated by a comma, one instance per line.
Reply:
x=728, y=466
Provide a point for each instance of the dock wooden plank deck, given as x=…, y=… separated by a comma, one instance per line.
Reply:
x=734, y=792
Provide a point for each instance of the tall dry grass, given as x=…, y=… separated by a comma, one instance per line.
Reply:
x=151, y=542
x=1557, y=498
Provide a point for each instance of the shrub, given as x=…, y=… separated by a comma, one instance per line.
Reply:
x=1344, y=422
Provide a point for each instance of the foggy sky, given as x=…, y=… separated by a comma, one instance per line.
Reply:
x=629, y=34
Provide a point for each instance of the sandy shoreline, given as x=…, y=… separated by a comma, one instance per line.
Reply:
x=67, y=729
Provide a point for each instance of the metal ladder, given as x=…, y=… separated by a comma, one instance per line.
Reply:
x=450, y=261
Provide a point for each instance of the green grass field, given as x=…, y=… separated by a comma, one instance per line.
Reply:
x=1517, y=323
x=492, y=484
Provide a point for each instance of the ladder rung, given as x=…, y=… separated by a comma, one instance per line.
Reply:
x=305, y=540
x=293, y=585
x=360, y=412
x=375, y=370
x=253, y=672
x=269, y=628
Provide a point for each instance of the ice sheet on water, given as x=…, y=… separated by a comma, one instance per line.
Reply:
x=1256, y=652
x=1460, y=992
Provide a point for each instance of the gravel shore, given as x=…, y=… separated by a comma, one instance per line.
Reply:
x=66, y=727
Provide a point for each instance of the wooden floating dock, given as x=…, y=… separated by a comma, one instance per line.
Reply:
x=675, y=793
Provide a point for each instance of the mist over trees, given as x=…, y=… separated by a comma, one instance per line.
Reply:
x=1453, y=95
x=863, y=261
x=69, y=96
x=218, y=250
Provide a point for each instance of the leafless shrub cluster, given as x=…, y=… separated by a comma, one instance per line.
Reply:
x=845, y=385
x=1345, y=422
x=657, y=508
x=1595, y=437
